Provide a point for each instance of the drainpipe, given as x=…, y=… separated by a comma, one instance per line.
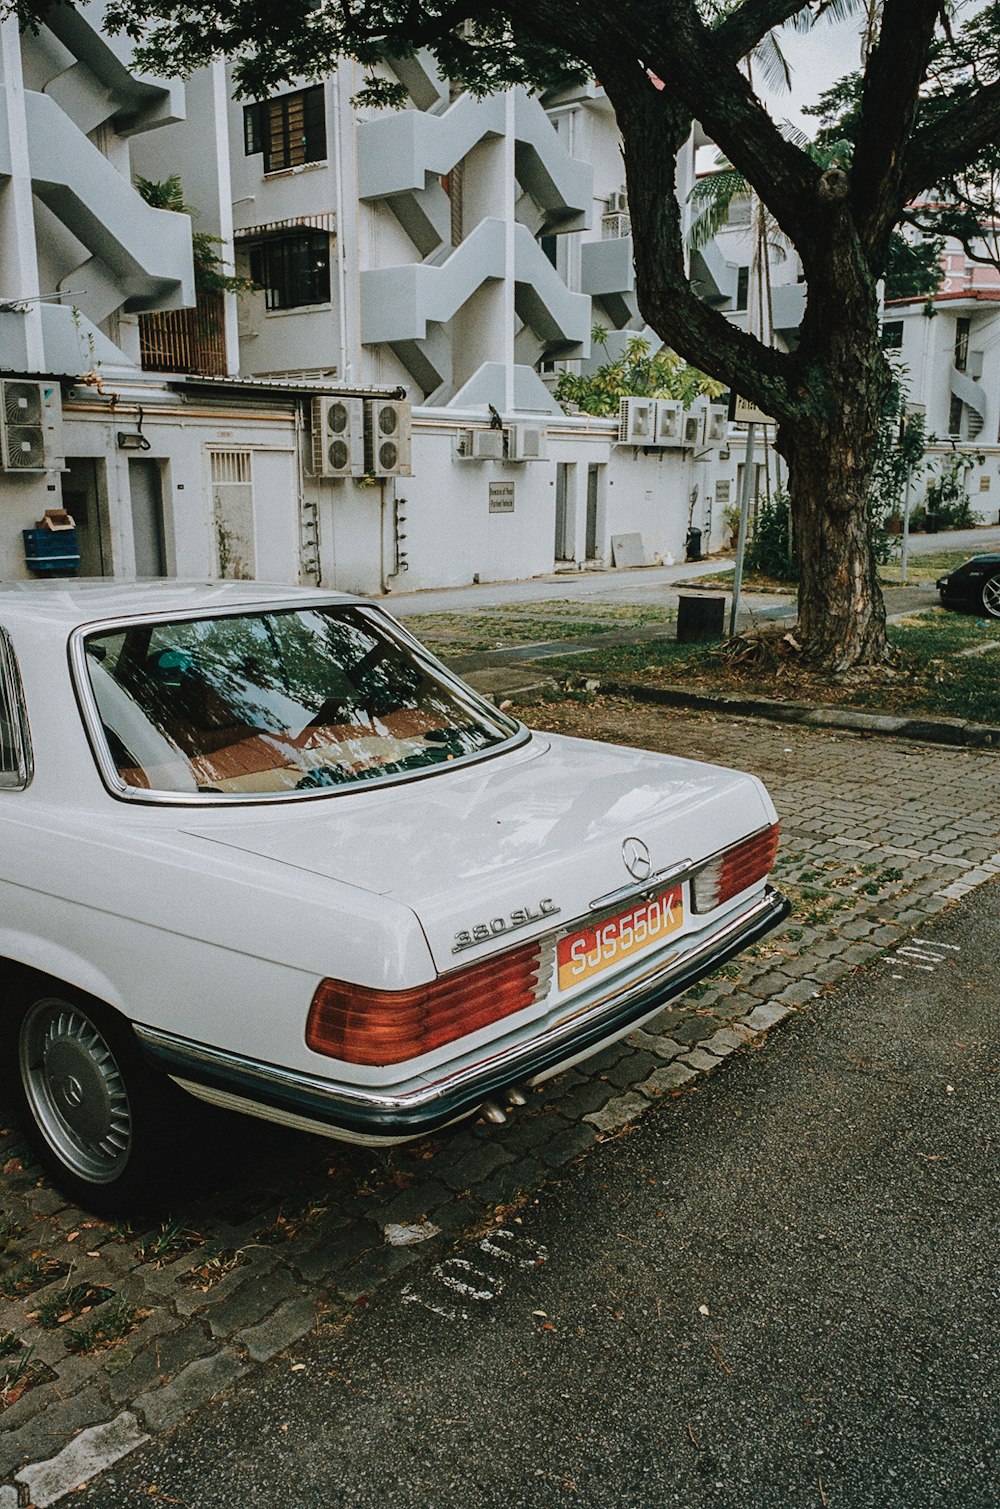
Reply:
x=342, y=365
x=510, y=232
x=386, y=489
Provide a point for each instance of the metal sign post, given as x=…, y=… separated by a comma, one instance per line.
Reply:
x=906, y=527
x=741, y=538
x=912, y=410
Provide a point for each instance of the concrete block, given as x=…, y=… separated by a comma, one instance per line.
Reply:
x=89, y=1453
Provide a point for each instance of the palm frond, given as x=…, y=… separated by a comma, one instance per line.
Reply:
x=772, y=63
x=830, y=10
x=720, y=187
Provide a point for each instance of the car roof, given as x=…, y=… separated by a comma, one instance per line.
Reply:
x=69, y=602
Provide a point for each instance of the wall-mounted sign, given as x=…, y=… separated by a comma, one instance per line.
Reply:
x=501, y=497
x=722, y=491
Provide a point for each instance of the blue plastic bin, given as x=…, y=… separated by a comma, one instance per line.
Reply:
x=51, y=552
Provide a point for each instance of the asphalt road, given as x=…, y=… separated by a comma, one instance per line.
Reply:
x=778, y=1290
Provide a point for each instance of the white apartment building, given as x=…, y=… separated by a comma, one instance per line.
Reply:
x=949, y=346
x=440, y=260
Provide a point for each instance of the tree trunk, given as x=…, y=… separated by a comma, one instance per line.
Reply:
x=830, y=450
x=841, y=612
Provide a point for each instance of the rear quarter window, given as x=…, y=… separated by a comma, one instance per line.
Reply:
x=15, y=748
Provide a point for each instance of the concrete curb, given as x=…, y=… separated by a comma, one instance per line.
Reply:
x=954, y=731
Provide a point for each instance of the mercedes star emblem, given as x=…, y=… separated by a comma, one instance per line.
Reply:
x=636, y=857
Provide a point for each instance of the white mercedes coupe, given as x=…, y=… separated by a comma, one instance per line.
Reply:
x=258, y=844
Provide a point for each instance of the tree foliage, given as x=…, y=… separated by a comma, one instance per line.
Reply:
x=637, y=372
x=899, y=459
x=962, y=198
x=924, y=123
x=210, y=275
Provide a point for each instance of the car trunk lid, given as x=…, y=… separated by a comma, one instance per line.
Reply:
x=495, y=853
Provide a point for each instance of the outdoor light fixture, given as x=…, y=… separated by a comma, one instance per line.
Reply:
x=127, y=441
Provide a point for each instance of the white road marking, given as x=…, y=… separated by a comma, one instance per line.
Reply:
x=464, y=1278
x=501, y=1244
x=920, y=954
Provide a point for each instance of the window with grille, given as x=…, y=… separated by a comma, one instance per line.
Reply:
x=892, y=335
x=289, y=130
x=293, y=270
x=962, y=328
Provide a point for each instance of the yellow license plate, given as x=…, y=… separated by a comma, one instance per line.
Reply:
x=592, y=950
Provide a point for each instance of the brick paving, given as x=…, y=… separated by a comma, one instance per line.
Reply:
x=110, y=1333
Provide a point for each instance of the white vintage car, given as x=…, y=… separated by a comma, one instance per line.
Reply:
x=257, y=843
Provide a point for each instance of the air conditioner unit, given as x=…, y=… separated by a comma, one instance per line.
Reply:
x=30, y=426
x=527, y=442
x=692, y=430
x=338, y=437
x=615, y=226
x=637, y=421
x=480, y=445
x=388, y=442
x=669, y=428
x=618, y=203
x=716, y=425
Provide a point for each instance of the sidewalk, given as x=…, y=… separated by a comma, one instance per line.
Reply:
x=636, y=585
x=878, y=836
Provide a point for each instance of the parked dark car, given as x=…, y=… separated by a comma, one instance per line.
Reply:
x=974, y=584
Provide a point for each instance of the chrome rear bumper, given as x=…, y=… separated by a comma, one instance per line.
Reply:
x=371, y=1114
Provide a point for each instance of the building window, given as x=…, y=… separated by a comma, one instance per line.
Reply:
x=955, y=416
x=892, y=335
x=290, y=130
x=742, y=287
x=738, y=210
x=962, y=328
x=293, y=270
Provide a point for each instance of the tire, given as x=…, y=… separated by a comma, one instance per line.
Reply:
x=990, y=596
x=98, y=1118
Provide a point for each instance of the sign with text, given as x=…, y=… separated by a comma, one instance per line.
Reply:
x=742, y=411
x=501, y=497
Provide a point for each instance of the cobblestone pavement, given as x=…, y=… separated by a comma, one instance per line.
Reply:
x=109, y=1333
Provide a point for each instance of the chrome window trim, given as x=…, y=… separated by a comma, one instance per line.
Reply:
x=12, y=697
x=108, y=770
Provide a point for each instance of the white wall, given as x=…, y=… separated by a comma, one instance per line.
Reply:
x=452, y=537
x=181, y=445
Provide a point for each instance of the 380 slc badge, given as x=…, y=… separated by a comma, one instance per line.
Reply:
x=521, y=916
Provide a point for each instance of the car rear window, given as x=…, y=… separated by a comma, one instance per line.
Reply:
x=266, y=704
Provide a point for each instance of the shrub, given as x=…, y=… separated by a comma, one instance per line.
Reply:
x=770, y=550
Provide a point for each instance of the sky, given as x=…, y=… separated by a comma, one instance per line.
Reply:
x=817, y=59
x=821, y=56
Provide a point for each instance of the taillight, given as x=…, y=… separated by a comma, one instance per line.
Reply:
x=364, y=1026
x=734, y=869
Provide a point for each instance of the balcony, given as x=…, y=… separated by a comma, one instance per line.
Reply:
x=186, y=340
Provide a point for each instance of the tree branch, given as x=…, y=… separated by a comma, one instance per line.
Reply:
x=890, y=95
x=744, y=27
x=696, y=69
x=654, y=128
x=945, y=148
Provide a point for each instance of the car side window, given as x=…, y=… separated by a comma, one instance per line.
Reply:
x=15, y=748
